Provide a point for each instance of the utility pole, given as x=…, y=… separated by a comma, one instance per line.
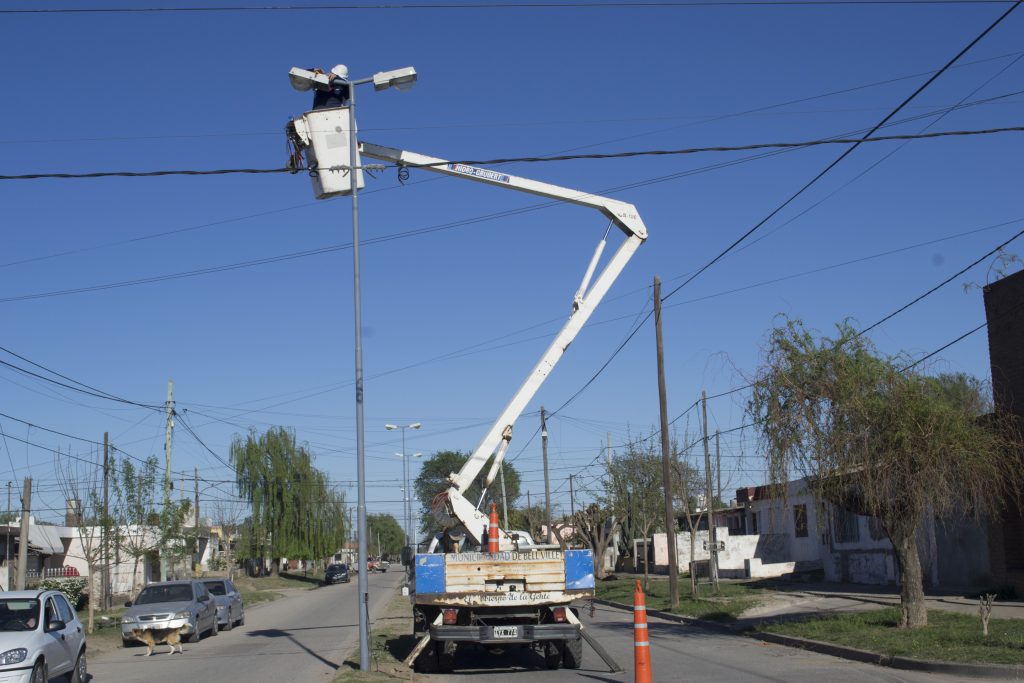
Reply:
x=572, y=499
x=105, y=522
x=666, y=467
x=609, y=453
x=168, y=436
x=718, y=464
x=197, y=556
x=7, y=538
x=195, y=472
x=504, y=504
x=547, y=483
x=26, y=507
x=712, y=536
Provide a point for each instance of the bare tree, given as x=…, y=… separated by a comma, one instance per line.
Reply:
x=596, y=524
x=687, y=484
x=228, y=515
x=81, y=482
x=878, y=439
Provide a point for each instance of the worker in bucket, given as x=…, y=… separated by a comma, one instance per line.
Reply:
x=339, y=94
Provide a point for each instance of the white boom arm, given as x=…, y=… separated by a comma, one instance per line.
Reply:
x=585, y=301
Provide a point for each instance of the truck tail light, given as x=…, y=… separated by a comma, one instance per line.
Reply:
x=451, y=616
x=559, y=614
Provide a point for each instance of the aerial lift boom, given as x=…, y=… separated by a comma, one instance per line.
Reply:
x=452, y=508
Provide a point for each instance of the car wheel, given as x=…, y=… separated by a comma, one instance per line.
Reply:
x=241, y=619
x=572, y=657
x=553, y=654
x=194, y=636
x=80, y=674
x=39, y=673
x=229, y=624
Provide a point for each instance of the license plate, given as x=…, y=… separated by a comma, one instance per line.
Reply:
x=506, y=631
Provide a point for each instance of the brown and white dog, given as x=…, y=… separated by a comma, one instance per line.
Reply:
x=157, y=636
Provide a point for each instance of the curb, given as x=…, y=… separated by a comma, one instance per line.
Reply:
x=986, y=671
x=996, y=671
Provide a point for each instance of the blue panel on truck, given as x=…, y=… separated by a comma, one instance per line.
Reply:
x=579, y=569
x=430, y=573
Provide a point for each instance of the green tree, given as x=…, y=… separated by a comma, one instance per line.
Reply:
x=136, y=502
x=386, y=535
x=433, y=479
x=634, y=491
x=878, y=440
x=295, y=511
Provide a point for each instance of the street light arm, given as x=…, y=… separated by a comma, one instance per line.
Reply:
x=454, y=508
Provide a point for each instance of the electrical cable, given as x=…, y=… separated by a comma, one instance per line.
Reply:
x=565, y=157
x=799, y=192
x=91, y=389
x=498, y=5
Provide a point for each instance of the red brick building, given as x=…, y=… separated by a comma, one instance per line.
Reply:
x=1004, y=310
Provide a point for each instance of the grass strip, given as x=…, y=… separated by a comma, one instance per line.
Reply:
x=731, y=600
x=949, y=636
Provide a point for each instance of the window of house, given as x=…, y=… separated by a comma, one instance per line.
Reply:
x=845, y=526
x=800, y=521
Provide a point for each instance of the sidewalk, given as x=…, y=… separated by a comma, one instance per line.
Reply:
x=801, y=601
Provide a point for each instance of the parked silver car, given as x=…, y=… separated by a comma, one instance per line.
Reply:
x=230, y=608
x=171, y=604
x=40, y=636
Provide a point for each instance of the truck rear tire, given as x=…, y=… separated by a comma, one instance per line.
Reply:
x=553, y=654
x=427, y=662
x=446, y=656
x=573, y=655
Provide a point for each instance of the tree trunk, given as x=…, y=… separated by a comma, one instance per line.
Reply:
x=647, y=576
x=693, y=549
x=913, y=612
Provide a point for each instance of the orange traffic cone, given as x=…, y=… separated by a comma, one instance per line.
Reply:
x=641, y=641
x=492, y=530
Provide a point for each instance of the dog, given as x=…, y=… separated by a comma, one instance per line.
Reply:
x=157, y=636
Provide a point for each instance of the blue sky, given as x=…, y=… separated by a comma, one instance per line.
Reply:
x=456, y=317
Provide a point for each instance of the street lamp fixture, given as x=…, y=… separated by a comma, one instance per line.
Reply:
x=407, y=498
x=324, y=147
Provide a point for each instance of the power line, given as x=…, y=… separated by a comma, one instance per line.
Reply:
x=849, y=150
x=799, y=192
x=499, y=6
x=565, y=157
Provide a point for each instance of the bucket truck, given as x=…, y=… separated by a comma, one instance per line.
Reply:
x=522, y=594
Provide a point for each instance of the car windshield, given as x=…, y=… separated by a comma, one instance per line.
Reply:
x=216, y=587
x=154, y=594
x=19, y=615
x=336, y=568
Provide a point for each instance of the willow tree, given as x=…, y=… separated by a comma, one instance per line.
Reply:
x=295, y=511
x=878, y=439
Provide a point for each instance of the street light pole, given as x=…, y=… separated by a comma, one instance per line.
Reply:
x=320, y=150
x=407, y=497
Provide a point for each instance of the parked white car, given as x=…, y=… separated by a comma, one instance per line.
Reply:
x=40, y=636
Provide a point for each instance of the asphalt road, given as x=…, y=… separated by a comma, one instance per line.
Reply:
x=304, y=637
x=678, y=653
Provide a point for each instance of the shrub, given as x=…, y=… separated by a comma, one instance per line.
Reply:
x=72, y=587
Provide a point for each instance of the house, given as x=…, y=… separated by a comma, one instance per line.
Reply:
x=1003, y=302
x=788, y=531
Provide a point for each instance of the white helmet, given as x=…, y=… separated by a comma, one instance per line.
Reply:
x=341, y=71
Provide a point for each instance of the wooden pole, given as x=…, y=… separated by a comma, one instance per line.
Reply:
x=712, y=536
x=547, y=481
x=666, y=466
x=26, y=507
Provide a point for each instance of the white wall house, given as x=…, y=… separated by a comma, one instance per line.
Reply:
x=772, y=534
